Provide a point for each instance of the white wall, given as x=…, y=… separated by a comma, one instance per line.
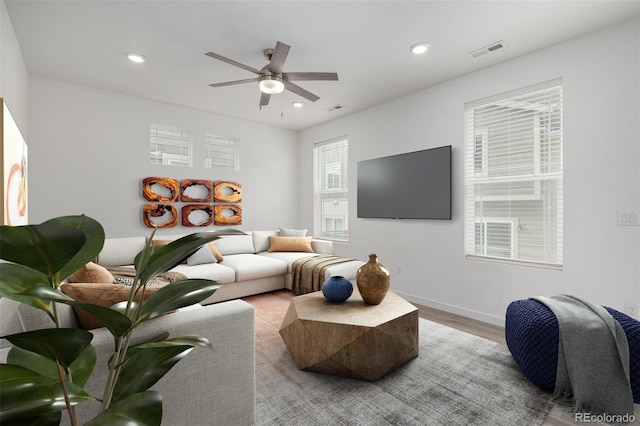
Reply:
x=13, y=73
x=89, y=151
x=601, y=170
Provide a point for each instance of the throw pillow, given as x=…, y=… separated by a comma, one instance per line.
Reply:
x=288, y=232
x=302, y=244
x=201, y=256
x=92, y=273
x=105, y=295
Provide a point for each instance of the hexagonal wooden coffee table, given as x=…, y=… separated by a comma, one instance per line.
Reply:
x=351, y=339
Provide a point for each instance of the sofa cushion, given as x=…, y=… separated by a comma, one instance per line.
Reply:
x=250, y=266
x=121, y=251
x=287, y=256
x=92, y=273
x=302, y=244
x=235, y=244
x=261, y=240
x=100, y=294
x=210, y=271
x=288, y=232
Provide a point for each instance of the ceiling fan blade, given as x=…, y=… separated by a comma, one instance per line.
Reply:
x=309, y=76
x=300, y=91
x=264, y=99
x=231, y=83
x=232, y=62
x=278, y=57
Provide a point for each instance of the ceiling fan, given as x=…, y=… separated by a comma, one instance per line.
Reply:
x=271, y=79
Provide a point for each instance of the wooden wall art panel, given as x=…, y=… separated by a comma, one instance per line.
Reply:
x=152, y=214
x=170, y=184
x=198, y=186
x=191, y=212
x=229, y=214
x=227, y=192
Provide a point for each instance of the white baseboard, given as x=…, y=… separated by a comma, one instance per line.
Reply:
x=479, y=316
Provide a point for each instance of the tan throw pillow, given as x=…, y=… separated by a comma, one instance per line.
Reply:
x=92, y=273
x=105, y=295
x=290, y=244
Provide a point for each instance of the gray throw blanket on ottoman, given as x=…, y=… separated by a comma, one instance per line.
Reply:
x=593, y=357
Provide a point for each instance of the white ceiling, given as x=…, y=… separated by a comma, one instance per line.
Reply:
x=366, y=42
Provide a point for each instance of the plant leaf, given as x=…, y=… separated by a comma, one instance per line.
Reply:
x=52, y=419
x=26, y=394
x=61, y=344
x=80, y=369
x=166, y=257
x=94, y=234
x=140, y=409
x=177, y=295
x=117, y=323
x=15, y=279
x=195, y=341
x=46, y=247
x=145, y=368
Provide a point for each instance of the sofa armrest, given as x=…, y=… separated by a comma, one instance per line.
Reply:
x=322, y=246
x=206, y=387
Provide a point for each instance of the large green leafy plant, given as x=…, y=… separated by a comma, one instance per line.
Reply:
x=46, y=369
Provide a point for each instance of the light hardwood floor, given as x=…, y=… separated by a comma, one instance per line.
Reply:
x=557, y=416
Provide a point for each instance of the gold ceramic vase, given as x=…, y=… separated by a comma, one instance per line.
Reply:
x=373, y=281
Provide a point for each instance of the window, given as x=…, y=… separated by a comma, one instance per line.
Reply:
x=221, y=153
x=330, y=192
x=513, y=176
x=169, y=146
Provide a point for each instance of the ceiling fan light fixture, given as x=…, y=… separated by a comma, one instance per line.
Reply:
x=419, y=48
x=271, y=84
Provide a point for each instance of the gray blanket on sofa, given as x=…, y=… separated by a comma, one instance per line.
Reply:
x=593, y=357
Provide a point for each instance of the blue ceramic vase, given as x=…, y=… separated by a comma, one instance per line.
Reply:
x=337, y=289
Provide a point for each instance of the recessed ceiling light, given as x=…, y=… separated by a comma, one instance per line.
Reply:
x=419, y=48
x=136, y=57
x=297, y=104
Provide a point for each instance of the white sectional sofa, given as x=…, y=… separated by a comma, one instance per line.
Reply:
x=247, y=267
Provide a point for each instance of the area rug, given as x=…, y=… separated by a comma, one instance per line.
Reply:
x=457, y=379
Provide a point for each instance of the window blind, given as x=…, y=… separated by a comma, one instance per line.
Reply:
x=330, y=189
x=169, y=146
x=221, y=153
x=513, y=176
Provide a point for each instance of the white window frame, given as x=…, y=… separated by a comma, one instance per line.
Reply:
x=169, y=146
x=529, y=186
x=330, y=177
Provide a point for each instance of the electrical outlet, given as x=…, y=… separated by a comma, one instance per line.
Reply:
x=628, y=218
x=399, y=269
x=631, y=309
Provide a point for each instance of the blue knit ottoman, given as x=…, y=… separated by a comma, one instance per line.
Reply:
x=531, y=332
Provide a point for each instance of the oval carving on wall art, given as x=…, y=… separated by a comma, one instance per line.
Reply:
x=191, y=187
x=227, y=191
x=191, y=212
x=230, y=214
x=160, y=215
x=162, y=184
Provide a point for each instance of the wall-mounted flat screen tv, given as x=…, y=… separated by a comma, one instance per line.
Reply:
x=413, y=185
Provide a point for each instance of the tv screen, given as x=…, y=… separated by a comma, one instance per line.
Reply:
x=414, y=185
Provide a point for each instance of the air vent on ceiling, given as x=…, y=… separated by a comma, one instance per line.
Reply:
x=335, y=107
x=488, y=49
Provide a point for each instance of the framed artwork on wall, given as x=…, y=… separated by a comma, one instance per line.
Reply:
x=14, y=172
